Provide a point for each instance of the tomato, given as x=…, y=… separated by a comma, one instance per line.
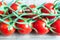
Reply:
x=4, y=29
x=32, y=6
x=0, y=3
x=1, y=12
x=28, y=11
x=56, y=25
x=14, y=6
x=24, y=28
x=49, y=6
x=40, y=27
x=10, y=11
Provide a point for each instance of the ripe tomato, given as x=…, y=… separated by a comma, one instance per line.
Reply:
x=40, y=27
x=24, y=28
x=49, y=6
x=28, y=11
x=56, y=25
x=10, y=11
x=0, y=3
x=4, y=29
x=1, y=12
x=32, y=6
x=14, y=6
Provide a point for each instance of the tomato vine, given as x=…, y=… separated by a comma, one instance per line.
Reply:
x=35, y=11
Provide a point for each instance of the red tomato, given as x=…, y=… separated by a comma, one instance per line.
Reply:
x=1, y=12
x=0, y=3
x=10, y=11
x=25, y=29
x=49, y=6
x=14, y=6
x=40, y=27
x=56, y=25
x=4, y=29
x=29, y=11
x=32, y=6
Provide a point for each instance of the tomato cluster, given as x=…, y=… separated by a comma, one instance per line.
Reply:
x=24, y=18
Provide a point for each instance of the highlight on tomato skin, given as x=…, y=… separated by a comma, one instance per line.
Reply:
x=24, y=28
x=49, y=6
x=40, y=27
x=4, y=28
x=56, y=26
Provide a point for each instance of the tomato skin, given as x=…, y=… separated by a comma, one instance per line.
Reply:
x=10, y=11
x=56, y=25
x=32, y=6
x=4, y=29
x=1, y=12
x=25, y=29
x=0, y=3
x=14, y=6
x=28, y=11
x=49, y=6
x=40, y=26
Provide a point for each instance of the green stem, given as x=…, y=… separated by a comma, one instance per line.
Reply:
x=55, y=2
x=52, y=21
x=3, y=21
x=10, y=15
x=17, y=0
x=47, y=9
